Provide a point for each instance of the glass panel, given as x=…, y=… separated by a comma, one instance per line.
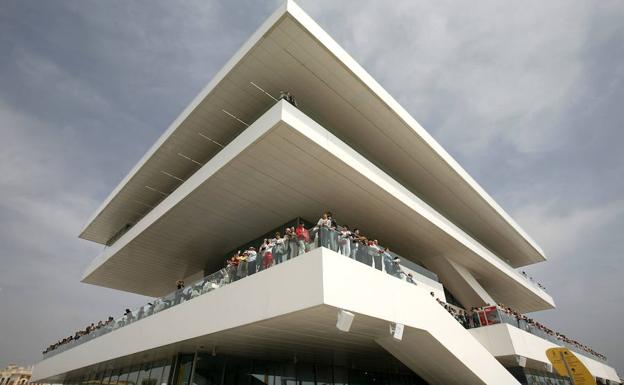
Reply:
x=123, y=377
x=306, y=374
x=183, y=370
x=155, y=374
x=133, y=376
x=324, y=374
x=238, y=371
x=144, y=374
x=166, y=373
x=114, y=378
x=208, y=370
x=289, y=375
x=106, y=379
x=341, y=376
x=92, y=379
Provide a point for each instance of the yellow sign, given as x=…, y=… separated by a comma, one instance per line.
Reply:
x=566, y=364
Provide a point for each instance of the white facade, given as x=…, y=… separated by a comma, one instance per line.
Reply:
x=237, y=164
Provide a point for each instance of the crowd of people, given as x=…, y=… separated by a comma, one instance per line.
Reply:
x=472, y=319
x=299, y=240
x=272, y=251
x=459, y=314
x=529, y=278
x=522, y=319
x=79, y=334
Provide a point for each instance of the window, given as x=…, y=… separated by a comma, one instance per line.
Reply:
x=208, y=370
x=156, y=373
x=123, y=377
x=184, y=369
x=166, y=373
x=106, y=379
x=144, y=375
x=133, y=376
x=114, y=377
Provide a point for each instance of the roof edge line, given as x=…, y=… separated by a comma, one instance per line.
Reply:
x=254, y=132
x=264, y=28
x=293, y=117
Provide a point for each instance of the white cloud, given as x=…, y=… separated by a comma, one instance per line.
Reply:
x=480, y=72
x=489, y=71
x=561, y=234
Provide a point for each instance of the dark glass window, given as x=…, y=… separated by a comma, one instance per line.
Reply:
x=123, y=377
x=166, y=373
x=133, y=376
x=184, y=369
x=237, y=371
x=324, y=374
x=107, y=375
x=114, y=377
x=156, y=373
x=144, y=374
x=208, y=370
x=99, y=378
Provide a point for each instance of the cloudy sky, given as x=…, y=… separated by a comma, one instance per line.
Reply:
x=528, y=96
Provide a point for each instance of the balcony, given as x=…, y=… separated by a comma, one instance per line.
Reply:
x=362, y=250
x=290, y=310
x=494, y=315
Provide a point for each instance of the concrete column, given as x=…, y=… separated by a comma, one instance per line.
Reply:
x=460, y=282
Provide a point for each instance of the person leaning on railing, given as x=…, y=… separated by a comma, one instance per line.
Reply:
x=323, y=227
x=303, y=237
x=536, y=326
x=354, y=237
x=344, y=241
x=241, y=266
x=251, y=260
x=279, y=248
x=292, y=242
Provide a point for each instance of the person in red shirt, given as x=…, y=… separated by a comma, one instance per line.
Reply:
x=303, y=237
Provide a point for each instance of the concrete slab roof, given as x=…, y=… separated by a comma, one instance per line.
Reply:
x=291, y=52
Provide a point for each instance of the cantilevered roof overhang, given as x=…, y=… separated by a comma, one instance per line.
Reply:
x=291, y=52
x=282, y=166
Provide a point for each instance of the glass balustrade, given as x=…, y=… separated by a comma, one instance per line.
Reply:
x=355, y=247
x=494, y=315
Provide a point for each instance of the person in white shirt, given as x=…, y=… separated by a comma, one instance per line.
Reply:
x=387, y=262
x=251, y=260
x=279, y=248
x=344, y=241
x=374, y=254
x=324, y=225
x=266, y=251
x=333, y=233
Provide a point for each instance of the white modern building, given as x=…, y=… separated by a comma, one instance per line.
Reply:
x=241, y=163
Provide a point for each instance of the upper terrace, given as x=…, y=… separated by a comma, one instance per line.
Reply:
x=291, y=52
